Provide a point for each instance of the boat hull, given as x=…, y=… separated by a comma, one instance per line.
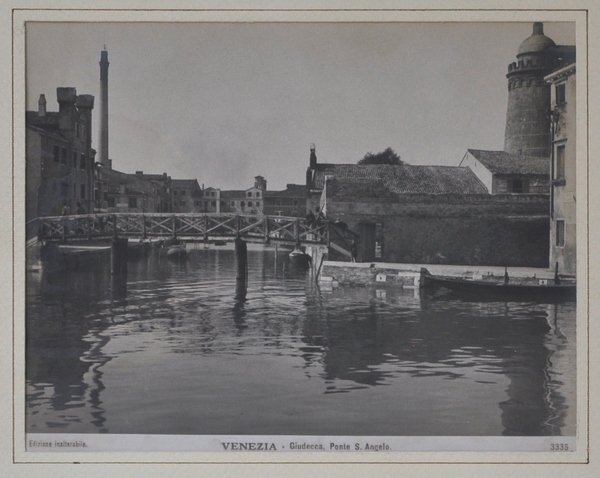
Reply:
x=299, y=259
x=497, y=289
x=177, y=252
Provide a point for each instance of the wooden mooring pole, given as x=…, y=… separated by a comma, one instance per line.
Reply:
x=118, y=256
x=241, y=258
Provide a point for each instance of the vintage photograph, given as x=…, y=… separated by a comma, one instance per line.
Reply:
x=334, y=236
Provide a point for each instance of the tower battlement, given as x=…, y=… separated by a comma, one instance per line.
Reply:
x=525, y=66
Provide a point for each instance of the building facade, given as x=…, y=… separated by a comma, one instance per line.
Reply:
x=506, y=173
x=187, y=195
x=59, y=156
x=289, y=202
x=123, y=192
x=563, y=251
x=455, y=222
x=164, y=200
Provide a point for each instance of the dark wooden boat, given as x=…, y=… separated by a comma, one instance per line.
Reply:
x=501, y=287
x=299, y=258
x=176, y=252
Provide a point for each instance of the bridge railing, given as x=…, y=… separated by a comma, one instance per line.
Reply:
x=192, y=225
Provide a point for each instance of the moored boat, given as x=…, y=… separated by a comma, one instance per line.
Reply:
x=299, y=258
x=176, y=252
x=501, y=286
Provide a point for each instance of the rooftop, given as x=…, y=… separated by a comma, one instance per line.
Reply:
x=406, y=178
x=291, y=190
x=501, y=162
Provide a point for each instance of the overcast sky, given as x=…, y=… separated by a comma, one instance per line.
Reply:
x=225, y=102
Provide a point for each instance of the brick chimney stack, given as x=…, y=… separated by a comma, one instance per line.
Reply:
x=103, y=136
x=313, y=155
x=42, y=105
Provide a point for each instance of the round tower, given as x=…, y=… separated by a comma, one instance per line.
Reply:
x=528, y=113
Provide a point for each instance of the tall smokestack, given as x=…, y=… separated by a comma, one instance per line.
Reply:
x=313, y=155
x=103, y=136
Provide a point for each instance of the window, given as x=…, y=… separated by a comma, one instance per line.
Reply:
x=249, y=203
x=132, y=201
x=213, y=203
x=249, y=194
x=222, y=203
x=242, y=204
x=175, y=192
x=63, y=155
x=183, y=192
x=74, y=159
x=82, y=162
x=560, y=161
x=560, y=94
x=517, y=186
x=560, y=233
x=82, y=191
x=232, y=203
x=257, y=194
x=111, y=201
x=56, y=154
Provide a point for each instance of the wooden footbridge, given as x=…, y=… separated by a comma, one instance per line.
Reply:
x=207, y=227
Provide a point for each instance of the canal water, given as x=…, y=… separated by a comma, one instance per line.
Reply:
x=176, y=348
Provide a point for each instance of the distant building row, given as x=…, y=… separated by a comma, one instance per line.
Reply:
x=63, y=176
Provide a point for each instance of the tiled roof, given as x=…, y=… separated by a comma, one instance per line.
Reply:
x=351, y=189
x=292, y=190
x=406, y=179
x=501, y=162
x=185, y=183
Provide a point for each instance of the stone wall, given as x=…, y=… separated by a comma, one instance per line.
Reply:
x=482, y=241
x=500, y=230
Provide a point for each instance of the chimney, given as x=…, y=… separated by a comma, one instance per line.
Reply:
x=66, y=97
x=103, y=136
x=42, y=105
x=313, y=155
x=260, y=183
x=538, y=28
x=85, y=102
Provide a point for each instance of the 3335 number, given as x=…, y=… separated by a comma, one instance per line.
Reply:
x=559, y=447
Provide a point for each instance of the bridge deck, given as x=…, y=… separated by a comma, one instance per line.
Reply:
x=190, y=226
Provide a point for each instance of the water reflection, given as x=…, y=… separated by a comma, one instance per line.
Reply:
x=432, y=366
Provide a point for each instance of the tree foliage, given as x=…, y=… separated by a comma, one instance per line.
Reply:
x=387, y=156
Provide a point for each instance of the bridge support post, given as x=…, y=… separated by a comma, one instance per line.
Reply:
x=118, y=256
x=241, y=258
x=90, y=225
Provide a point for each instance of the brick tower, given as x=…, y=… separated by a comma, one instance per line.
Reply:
x=528, y=113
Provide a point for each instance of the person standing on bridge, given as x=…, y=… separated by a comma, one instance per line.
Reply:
x=310, y=218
